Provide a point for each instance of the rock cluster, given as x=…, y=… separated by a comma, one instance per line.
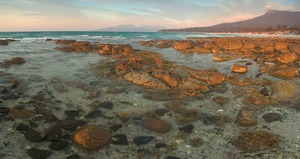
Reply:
x=282, y=53
x=147, y=69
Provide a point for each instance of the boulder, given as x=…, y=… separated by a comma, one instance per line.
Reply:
x=183, y=45
x=144, y=79
x=17, y=60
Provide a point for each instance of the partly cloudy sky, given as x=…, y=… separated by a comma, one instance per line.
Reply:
x=52, y=15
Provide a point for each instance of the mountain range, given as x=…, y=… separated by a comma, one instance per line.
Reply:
x=272, y=20
x=133, y=28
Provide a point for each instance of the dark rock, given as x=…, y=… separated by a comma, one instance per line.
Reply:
x=107, y=105
x=74, y=156
x=33, y=124
x=22, y=127
x=38, y=154
x=142, y=140
x=220, y=100
x=72, y=113
x=49, y=117
x=54, y=132
x=3, y=42
x=10, y=96
x=172, y=157
x=17, y=60
x=120, y=139
x=297, y=106
x=270, y=117
x=246, y=118
x=115, y=127
x=4, y=110
x=72, y=124
x=94, y=114
x=34, y=136
x=58, y=145
x=160, y=145
x=161, y=112
x=22, y=113
x=188, y=128
x=264, y=91
x=210, y=120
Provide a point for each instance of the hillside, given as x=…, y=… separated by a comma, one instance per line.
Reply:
x=271, y=21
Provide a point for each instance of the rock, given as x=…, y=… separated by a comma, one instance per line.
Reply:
x=210, y=120
x=33, y=136
x=183, y=45
x=60, y=88
x=188, y=128
x=286, y=72
x=72, y=124
x=3, y=42
x=160, y=145
x=74, y=156
x=161, y=111
x=54, y=132
x=115, y=127
x=264, y=91
x=64, y=41
x=91, y=137
x=188, y=115
x=145, y=80
x=220, y=58
x=58, y=145
x=200, y=49
x=220, y=100
x=239, y=68
x=246, y=118
x=270, y=117
x=4, y=110
x=284, y=91
x=281, y=47
x=107, y=105
x=22, y=113
x=287, y=58
x=22, y=127
x=49, y=117
x=120, y=139
x=251, y=141
x=17, y=60
x=71, y=114
x=155, y=124
x=94, y=114
x=142, y=140
x=10, y=96
x=211, y=77
x=38, y=154
x=235, y=44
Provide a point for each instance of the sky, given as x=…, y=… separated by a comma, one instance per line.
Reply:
x=88, y=15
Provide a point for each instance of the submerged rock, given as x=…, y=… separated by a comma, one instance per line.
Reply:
x=246, y=118
x=22, y=113
x=58, y=145
x=188, y=128
x=142, y=140
x=91, y=137
x=38, y=153
x=271, y=117
x=251, y=141
x=155, y=124
x=120, y=139
x=34, y=136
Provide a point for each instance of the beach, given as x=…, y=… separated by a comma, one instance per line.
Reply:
x=149, y=95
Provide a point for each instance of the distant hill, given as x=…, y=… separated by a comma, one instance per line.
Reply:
x=272, y=20
x=133, y=28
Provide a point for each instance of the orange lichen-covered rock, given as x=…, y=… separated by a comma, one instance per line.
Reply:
x=91, y=137
x=183, y=45
x=144, y=79
x=239, y=68
x=155, y=124
x=286, y=72
x=287, y=58
x=211, y=77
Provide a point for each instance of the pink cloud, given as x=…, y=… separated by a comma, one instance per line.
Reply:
x=235, y=18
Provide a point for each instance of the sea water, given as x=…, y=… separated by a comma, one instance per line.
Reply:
x=46, y=69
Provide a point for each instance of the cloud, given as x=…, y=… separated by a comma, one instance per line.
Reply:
x=235, y=18
x=270, y=4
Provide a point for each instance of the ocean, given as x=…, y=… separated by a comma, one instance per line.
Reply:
x=51, y=83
